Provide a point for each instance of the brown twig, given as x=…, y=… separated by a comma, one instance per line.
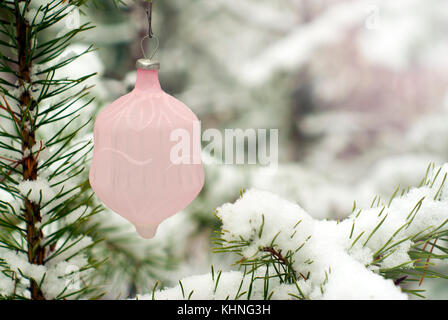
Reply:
x=7, y=159
x=8, y=108
x=427, y=260
x=32, y=161
x=15, y=283
x=277, y=254
x=10, y=171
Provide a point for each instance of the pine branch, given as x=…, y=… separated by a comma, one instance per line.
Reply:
x=384, y=247
x=43, y=229
x=36, y=252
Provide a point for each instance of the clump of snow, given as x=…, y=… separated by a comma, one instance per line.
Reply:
x=38, y=190
x=18, y=262
x=225, y=285
x=342, y=259
x=64, y=278
x=87, y=63
x=38, y=148
x=399, y=257
x=72, y=248
x=203, y=287
x=6, y=285
x=60, y=275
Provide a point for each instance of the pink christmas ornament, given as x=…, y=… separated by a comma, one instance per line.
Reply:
x=132, y=169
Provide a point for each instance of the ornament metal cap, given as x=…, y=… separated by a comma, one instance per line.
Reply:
x=147, y=64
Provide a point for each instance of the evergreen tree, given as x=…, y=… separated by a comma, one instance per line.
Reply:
x=44, y=234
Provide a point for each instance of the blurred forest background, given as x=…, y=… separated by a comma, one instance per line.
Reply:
x=356, y=88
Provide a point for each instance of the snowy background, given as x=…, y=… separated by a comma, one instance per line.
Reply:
x=356, y=88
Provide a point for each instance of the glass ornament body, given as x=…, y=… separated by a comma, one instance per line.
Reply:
x=132, y=169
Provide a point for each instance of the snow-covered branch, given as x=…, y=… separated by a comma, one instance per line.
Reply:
x=285, y=253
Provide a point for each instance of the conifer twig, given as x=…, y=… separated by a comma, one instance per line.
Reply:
x=36, y=252
x=427, y=260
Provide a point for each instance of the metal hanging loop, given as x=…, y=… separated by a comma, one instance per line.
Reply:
x=148, y=63
x=155, y=49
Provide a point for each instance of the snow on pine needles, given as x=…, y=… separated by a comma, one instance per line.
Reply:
x=282, y=252
x=45, y=203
